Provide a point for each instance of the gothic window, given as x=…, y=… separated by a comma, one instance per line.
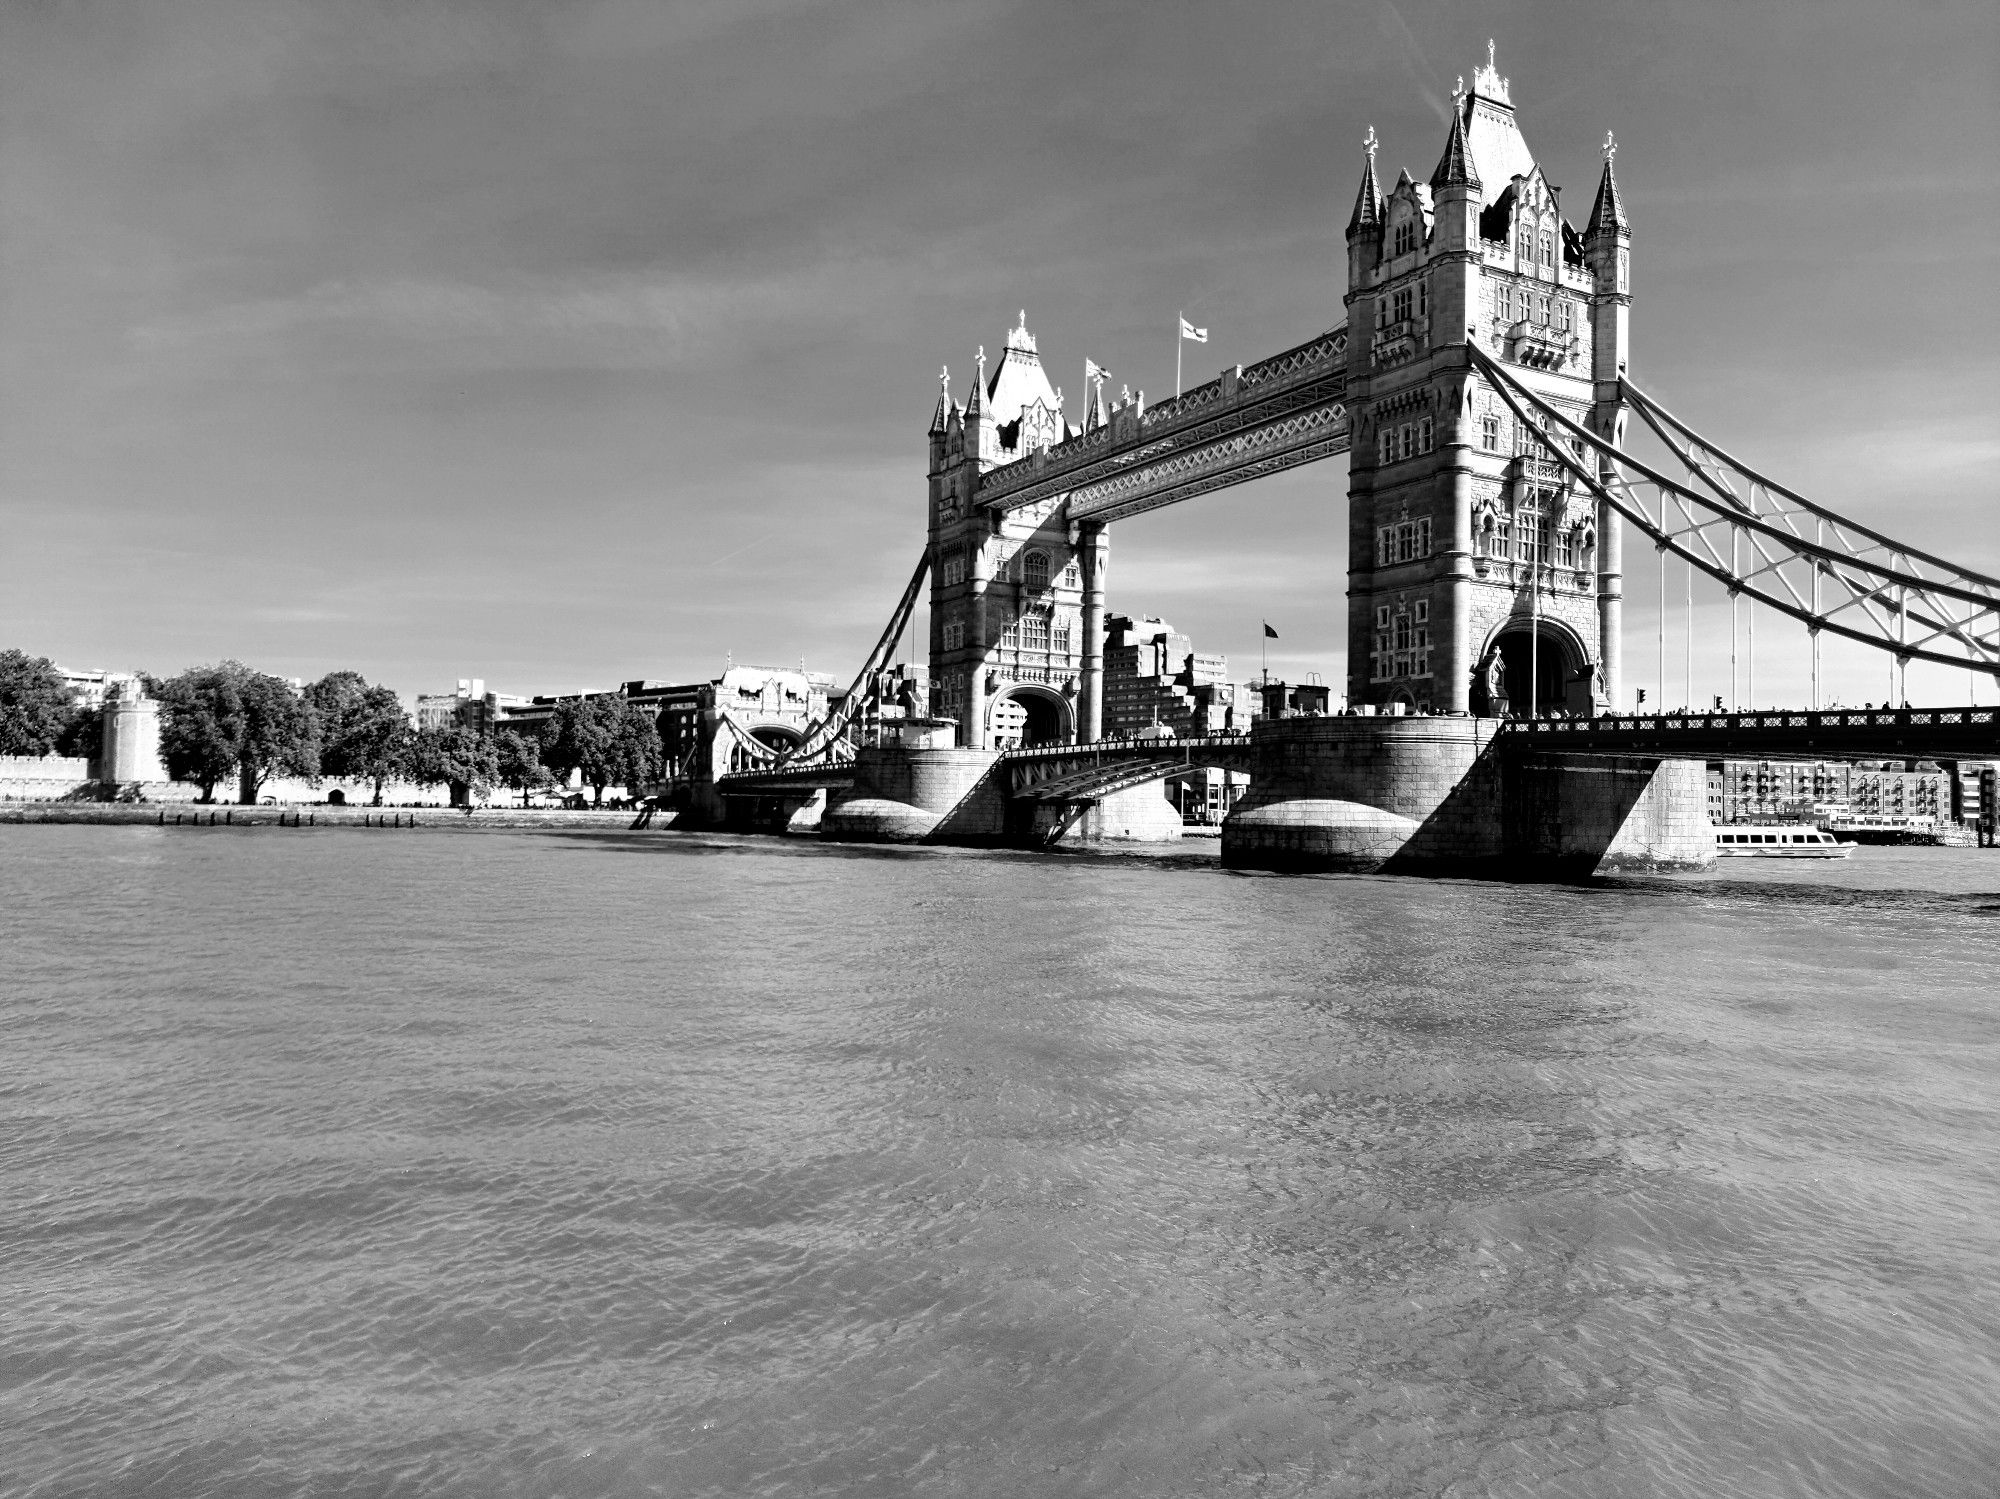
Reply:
x=1035, y=632
x=1059, y=637
x=1424, y=543
x=1562, y=314
x=1543, y=312
x=1426, y=431
x=1489, y=433
x=1385, y=447
x=1406, y=440
x=1423, y=299
x=1548, y=250
x=1035, y=572
x=1405, y=300
x=1406, y=237
x=1531, y=537
x=1526, y=245
x=953, y=636
x=1070, y=578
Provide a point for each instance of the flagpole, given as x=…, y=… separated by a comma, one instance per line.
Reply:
x=1179, y=339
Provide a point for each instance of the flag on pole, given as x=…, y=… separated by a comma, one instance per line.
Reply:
x=1092, y=370
x=1269, y=633
x=1189, y=331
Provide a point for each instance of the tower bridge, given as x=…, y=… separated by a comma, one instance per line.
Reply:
x=1477, y=377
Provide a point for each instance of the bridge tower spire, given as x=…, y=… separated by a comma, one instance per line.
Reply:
x=1476, y=577
x=1607, y=250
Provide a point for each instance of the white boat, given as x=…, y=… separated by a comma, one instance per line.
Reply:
x=1796, y=841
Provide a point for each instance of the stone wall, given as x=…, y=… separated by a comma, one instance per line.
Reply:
x=42, y=777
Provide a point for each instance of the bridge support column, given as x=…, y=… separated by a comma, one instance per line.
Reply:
x=1095, y=550
x=1452, y=689
x=1611, y=604
x=972, y=727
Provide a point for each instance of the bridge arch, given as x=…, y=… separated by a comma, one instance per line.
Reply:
x=1046, y=716
x=776, y=736
x=1564, y=671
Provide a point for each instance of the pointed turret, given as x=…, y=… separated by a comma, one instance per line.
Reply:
x=1093, y=409
x=941, y=417
x=975, y=404
x=1368, y=202
x=1607, y=214
x=1454, y=168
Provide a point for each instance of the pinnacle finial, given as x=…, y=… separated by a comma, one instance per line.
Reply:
x=1024, y=320
x=1610, y=145
x=1489, y=56
x=1458, y=92
x=1369, y=144
x=981, y=362
x=944, y=378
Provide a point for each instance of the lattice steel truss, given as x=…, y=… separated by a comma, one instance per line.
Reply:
x=1766, y=542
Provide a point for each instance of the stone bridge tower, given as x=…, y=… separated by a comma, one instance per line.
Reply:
x=1008, y=643
x=1479, y=578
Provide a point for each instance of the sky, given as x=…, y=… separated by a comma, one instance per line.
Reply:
x=561, y=344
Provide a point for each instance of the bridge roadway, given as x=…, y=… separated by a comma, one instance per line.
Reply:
x=1085, y=772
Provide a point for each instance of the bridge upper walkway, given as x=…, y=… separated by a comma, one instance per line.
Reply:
x=1249, y=421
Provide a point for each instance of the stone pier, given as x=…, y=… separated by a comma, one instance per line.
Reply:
x=1447, y=795
x=903, y=795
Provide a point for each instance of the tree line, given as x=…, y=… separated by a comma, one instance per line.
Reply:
x=227, y=720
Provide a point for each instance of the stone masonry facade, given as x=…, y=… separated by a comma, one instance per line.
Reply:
x=1462, y=526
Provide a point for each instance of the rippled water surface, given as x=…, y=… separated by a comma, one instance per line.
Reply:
x=356, y=1163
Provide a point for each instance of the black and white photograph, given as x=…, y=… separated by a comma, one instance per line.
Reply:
x=913, y=749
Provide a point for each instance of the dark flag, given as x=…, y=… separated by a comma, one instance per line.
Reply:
x=1269, y=633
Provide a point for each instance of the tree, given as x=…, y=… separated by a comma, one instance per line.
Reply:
x=362, y=728
x=215, y=719
x=453, y=756
x=520, y=763
x=606, y=740
x=83, y=736
x=201, y=724
x=280, y=734
x=35, y=706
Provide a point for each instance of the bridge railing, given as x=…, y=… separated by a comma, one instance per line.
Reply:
x=1126, y=747
x=1624, y=724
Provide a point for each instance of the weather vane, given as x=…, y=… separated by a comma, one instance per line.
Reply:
x=1369, y=143
x=1610, y=146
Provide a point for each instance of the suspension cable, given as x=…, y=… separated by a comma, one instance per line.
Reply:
x=1960, y=615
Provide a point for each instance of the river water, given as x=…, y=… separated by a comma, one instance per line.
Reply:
x=343, y=1162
